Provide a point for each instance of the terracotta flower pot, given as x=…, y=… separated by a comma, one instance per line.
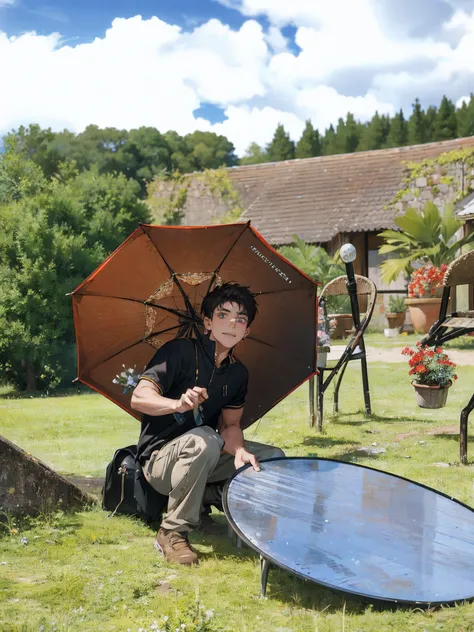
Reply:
x=423, y=313
x=431, y=396
x=395, y=320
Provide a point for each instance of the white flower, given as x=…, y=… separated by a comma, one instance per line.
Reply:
x=165, y=618
x=209, y=614
x=115, y=381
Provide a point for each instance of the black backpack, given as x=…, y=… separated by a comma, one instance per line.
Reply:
x=126, y=490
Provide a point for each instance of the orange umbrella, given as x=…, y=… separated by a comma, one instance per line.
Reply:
x=150, y=289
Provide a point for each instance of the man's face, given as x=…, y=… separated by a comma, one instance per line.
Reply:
x=229, y=324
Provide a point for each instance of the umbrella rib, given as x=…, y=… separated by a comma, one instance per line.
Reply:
x=225, y=257
x=289, y=289
x=175, y=280
x=175, y=312
x=114, y=355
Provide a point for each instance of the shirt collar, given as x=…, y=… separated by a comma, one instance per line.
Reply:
x=209, y=347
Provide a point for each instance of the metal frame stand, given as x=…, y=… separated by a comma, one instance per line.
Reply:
x=438, y=335
x=341, y=366
x=264, y=568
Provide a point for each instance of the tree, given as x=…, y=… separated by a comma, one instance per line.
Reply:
x=207, y=150
x=417, y=125
x=398, y=134
x=446, y=123
x=375, y=133
x=254, y=155
x=313, y=260
x=465, y=118
x=329, y=141
x=425, y=235
x=430, y=121
x=52, y=239
x=353, y=132
x=281, y=146
x=34, y=144
x=309, y=145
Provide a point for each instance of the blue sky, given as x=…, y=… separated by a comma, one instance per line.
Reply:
x=83, y=20
x=236, y=67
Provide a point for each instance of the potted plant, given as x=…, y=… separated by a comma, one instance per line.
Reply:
x=424, y=296
x=396, y=312
x=433, y=374
x=425, y=237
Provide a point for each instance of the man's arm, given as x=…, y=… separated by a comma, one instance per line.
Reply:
x=231, y=432
x=146, y=398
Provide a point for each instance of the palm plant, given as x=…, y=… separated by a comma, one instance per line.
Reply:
x=313, y=260
x=426, y=235
x=317, y=264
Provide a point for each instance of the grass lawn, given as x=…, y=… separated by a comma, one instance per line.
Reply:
x=84, y=571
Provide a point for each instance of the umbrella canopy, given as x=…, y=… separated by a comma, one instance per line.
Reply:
x=150, y=289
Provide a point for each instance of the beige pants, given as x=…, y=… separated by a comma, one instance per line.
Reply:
x=184, y=466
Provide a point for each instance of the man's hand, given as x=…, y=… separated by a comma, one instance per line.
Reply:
x=191, y=399
x=242, y=457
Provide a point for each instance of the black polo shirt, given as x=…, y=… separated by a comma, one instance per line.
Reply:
x=181, y=364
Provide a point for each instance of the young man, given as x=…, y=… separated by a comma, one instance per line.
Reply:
x=192, y=395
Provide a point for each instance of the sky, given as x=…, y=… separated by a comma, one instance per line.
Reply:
x=235, y=67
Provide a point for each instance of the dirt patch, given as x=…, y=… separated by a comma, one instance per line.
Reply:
x=444, y=430
x=405, y=435
x=432, y=431
x=394, y=355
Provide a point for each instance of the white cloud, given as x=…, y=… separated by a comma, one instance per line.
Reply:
x=276, y=40
x=460, y=102
x=148, y=72
x=7, y=3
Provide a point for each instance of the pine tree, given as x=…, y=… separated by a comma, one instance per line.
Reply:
x=329, y=141
x=398, y=133
x=375, y=133
x=353, y=132
x=417, y=125
x=309, y=144
x=281, y=147
x=446, y=123
x=430, y=120
x=340, y=140
x=465, y=117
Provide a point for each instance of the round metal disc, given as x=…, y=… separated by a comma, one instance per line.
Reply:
x=356, y=529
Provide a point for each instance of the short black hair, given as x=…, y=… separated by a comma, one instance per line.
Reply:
x=232, y=293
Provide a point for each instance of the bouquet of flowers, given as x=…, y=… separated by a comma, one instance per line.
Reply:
x=430, y=366
x=325, y=328
x=427, y=282
x=127, y=379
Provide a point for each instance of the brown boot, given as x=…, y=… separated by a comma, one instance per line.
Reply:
x=175, y=547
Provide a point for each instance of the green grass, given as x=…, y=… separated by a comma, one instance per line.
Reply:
x=86, y=572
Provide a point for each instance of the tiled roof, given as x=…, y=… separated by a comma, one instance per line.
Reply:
x=465, y=208
x=317, y=198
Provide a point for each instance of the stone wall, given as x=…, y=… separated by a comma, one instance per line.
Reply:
x=203, y=207
x=442, y=184
x=28, y=486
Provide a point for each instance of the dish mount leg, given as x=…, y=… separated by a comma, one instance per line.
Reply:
x=264, y=568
